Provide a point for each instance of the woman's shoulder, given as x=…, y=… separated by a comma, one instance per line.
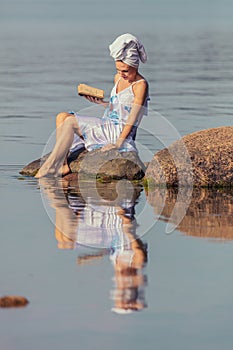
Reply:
x=142, y=81
x=140, y=84
x=140, y=90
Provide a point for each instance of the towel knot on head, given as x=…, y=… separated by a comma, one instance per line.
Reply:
x=128, y=49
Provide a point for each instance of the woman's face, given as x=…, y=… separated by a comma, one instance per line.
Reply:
x=126, y=72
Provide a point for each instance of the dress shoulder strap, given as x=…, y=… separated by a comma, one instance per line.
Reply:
x=135, y=82
x=116, y=83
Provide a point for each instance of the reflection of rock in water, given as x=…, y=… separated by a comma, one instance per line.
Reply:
x=208, y=215
x=112, y=192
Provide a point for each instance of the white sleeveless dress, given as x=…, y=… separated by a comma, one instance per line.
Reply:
x=98, y=132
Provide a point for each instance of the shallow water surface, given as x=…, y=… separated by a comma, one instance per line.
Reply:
x=80, y=282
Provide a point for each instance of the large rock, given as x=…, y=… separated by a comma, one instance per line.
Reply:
x=203, y=158
x=32, y=168
x=108, y=165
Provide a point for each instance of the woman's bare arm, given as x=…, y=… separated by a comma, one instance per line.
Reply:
x=97, y=100
x=140, y=93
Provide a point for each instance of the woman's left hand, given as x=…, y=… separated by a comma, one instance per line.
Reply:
x=108, y=147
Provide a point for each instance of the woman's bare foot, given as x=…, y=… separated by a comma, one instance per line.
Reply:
x=65, y=170
x=41, y=173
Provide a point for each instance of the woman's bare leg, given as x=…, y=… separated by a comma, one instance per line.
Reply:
x=60, y=118
x=54, y=164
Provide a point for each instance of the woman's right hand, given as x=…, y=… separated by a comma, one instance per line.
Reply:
x=96, y=100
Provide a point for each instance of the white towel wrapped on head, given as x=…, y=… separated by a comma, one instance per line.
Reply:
x=128, y=49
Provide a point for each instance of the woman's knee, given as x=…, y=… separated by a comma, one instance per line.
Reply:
x=61, y=117
x=70, y=121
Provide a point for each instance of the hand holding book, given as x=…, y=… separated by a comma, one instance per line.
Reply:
x=86, y=90
x=92, y=94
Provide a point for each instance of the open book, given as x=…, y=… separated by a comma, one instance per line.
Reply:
x=84, y=89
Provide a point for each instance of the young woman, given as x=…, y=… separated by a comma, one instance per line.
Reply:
x=117, y=128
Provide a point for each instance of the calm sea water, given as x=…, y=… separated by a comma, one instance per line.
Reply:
x=185, y=288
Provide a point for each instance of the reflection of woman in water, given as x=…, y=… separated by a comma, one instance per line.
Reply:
x=108, y=225
x=129, y=257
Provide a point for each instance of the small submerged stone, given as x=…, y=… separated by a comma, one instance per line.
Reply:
x=13, y=301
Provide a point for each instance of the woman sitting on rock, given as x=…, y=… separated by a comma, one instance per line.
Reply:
x=117, y=128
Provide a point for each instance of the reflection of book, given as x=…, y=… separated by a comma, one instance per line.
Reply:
x=91, y=257
x=84, y=89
